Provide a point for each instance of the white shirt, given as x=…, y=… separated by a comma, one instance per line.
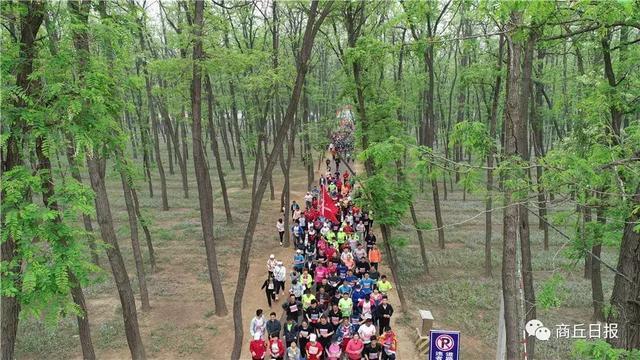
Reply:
x=280, y=273
x=280, y=226
x=366, y=332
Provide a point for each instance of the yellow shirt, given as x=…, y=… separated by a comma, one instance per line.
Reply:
x=306, y=300
x=384, y=286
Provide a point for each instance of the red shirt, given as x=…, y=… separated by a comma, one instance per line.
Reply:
x=258, y=349
x=314, y=350
x=276, y=347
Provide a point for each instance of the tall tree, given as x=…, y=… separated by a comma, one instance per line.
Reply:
x=96, y=164
x=205, y=195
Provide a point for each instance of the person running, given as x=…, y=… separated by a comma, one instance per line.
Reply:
x=334, y=352
x=389, y=344
x=313, y=348
x=258, y=325
x=384, y=285
x=304, y=333
x=292, y=307
x=276, y=347
x=384, y=313
x=373, y=351
x=344, y=332
x=375, y=257
x=273, y=325
x=269, y=287
x=307, y=200
x=257, y=347
x=297, y=289
x=367, y=330
x=325, y=332
x=354, y=348
x=280, y=276
x=271, y=263
x=280, y=228
x=346, y=305
x=293, y=352
x=290, y=331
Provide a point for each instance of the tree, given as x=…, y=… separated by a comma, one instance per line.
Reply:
x=205, y=196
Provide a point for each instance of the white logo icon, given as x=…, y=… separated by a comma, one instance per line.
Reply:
x=535, y=328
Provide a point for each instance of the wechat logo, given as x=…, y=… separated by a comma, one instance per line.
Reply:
x=536, y=328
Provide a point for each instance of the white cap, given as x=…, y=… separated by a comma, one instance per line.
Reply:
x=312, y=337
x=256, y=336
x=279, y=262
x=299, y=251
x=272, y=256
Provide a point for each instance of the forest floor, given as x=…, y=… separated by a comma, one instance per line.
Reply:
x=182, y=323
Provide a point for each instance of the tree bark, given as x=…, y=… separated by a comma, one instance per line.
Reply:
x=216, y=152
x=135, y=242
x=625, y=299
x=182, y=162
x=488, y=235
x=311, y=30
x=597, y=295
x=512, y=142
x=526, y=87
x=205, y=196
x=145, y=228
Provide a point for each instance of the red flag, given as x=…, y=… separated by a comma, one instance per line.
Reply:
x=328, y=208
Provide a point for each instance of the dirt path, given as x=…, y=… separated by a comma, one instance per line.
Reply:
x=181, y=323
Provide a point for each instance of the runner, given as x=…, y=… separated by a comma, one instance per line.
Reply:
x=313, y=348
x=389, y=343
x=280, y=228
x=257, y=348
x=273, y=325
x=258, y=325
x=354, y=348
x=293, y=352
x=276, y=347
x=383, y=314
x=373, y=351
x=290, y=331
x=280, y=276
x=269, y=287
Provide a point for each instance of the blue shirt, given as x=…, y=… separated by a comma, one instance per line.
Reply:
x=298, y=261
x=342, y=270
x=344, y=288
x=367, y=285
x=357, y=295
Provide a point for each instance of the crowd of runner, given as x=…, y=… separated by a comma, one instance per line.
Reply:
x=332, y=295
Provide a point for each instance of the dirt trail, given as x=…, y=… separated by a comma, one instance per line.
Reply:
x=181, y=323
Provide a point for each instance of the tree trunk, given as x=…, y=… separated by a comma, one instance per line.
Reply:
x=512, y=124
x=492, y=150
x=625, y=299
x=156, y=139
x=586, y=218
x=311, y=30
x=597, y=295
x=523, y=147
x=537, y=123
x=96, y=167
x=423, y=251
x=135, y=243
x=216, y=152
x=96, y=174
x=144, y=138
x=386, y=237
x=182, y=162
x=145, y=228
x=205, y=195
